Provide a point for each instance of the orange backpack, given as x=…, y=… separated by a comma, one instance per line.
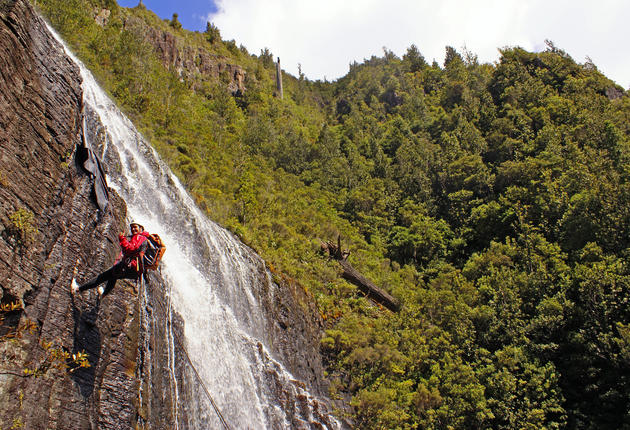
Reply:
x=155, y=251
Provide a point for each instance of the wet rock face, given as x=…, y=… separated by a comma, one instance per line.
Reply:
x=158, y=400
x=295, y=327
x=50, y=230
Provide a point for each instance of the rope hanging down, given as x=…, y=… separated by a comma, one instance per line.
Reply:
x=179, y=343
x=216, y=409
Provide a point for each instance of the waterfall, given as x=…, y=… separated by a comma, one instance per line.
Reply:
x=211, y=279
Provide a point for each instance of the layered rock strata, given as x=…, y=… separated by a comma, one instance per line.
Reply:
x=50, y=231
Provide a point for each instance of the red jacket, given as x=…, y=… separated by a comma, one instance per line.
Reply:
x=132, y=248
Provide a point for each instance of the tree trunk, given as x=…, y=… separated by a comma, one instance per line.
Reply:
x=368, y=287
x=351, y=274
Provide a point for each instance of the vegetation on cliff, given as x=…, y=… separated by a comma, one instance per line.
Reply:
x=492, y=200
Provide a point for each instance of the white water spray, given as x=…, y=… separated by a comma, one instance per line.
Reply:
x=210, y=276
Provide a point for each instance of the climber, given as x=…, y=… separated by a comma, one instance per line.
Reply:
x=129, y=264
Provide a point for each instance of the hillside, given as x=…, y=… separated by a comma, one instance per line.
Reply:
x=491, y=200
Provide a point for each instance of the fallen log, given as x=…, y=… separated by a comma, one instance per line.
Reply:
x=368, y=287
x=352, y=275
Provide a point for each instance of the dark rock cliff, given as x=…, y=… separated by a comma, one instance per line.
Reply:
x=51, y=230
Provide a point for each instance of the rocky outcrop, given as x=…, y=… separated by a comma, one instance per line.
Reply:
x=191, y=63
x=50, y=231
x=101, y=16
x=614, y=93
x=296, y=330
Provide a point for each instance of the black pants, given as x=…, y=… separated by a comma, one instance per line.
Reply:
x=116, y=272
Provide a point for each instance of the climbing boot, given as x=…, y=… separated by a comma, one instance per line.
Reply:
x=74, y=287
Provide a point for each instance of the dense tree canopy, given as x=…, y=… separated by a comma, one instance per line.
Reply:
x=492, y=200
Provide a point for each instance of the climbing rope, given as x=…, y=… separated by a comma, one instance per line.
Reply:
x=183, y=348
x=216, y=409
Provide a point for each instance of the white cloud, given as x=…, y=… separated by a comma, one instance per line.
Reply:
x=325, y=36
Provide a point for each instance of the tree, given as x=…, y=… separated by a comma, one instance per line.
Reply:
x=266, y=57
x=492, y=199
x=413, y=60
x=212, y=33
x=175, y=22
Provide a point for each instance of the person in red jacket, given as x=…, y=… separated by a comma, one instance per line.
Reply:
x=127, y=266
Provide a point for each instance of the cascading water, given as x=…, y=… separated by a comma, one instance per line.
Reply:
x=211, y=278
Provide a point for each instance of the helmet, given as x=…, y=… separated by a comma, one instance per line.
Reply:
x=132, y=223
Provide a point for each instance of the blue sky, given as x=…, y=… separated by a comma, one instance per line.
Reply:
x=325, y=36
x=192, y=14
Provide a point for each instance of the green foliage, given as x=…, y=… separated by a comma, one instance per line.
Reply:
x=212, y=33
x=22, y=226
x=266, y=57
x=414, y=59
x=55, y=356
x=175, y=22
x=492, y=200
x=3, y=180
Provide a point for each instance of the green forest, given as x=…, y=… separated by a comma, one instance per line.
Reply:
x=492, y=200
